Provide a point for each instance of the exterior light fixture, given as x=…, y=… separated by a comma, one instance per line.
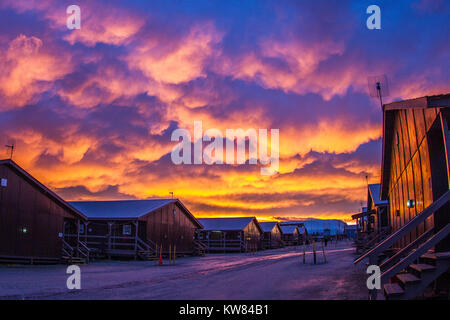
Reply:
x=4, y=182
x=410, y=203
x=174, y=212
x=24, y=230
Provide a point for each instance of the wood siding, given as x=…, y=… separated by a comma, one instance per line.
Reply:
x=415, y=144
x=24, y=205
x=166, y=228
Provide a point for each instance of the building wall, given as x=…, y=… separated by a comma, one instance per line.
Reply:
x=23, y=205
x=276, y=236
x=166, y=228
x=411, y=176
x=253, y=232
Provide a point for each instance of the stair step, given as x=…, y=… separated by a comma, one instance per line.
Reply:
x=407, y=278
x=393, y=290
x=421, y=267
x=437, y=255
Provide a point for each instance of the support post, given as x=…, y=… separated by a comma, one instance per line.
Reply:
x=314, y=251
x=136, y=226
x=109, y=239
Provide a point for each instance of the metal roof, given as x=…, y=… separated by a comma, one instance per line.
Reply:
x=268, y=226
x=125, y=209
x=288, y=229
x=227, y=224
x=375, y=193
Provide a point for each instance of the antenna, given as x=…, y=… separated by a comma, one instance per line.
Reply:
x=378, y=87
x=171, y=193
x=10, y=146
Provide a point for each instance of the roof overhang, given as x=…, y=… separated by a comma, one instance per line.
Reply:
x=363, y=214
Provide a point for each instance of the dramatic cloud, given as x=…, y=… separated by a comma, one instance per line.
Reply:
x=91, y=111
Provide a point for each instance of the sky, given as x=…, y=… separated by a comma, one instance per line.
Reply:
x=91, y=111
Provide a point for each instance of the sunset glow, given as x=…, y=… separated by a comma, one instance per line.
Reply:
x=91, y=111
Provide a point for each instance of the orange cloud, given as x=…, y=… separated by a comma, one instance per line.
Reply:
x=29, y=69
x=182, y=63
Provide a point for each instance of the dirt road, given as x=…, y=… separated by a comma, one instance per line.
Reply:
x=270, y=274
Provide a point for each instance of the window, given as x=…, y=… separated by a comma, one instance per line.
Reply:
x=4, y=182
x=81, y=228
x=126, y=230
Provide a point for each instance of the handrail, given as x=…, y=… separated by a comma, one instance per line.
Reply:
x=200, y=243
x=67, y=249
x=143, y=245
x=377, y=237
x=84, y=246
x=439, y=236
x=84, y=250
x=389, y=262
x=408, y=227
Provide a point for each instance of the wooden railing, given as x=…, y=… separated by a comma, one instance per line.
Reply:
x=379, y=236
x=400, y=254
x=67, y=249
x=199, y=246
x=83, y=250
x=224, y=244
x=416, y=254
x=387, y=243
x=148, y=245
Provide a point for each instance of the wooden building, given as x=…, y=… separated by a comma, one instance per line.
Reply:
x=374, y=220
x=230, y=234
x=415, y=181
x=379, y=208
x=415, y=168
x=34, y=220
x=272, y=236
x=138, y=228
x=290, y=234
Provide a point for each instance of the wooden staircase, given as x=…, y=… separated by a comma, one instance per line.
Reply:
x=146, y=250
x=199, y=248
x=410, y=270
x=78, y=254
x=412, y=282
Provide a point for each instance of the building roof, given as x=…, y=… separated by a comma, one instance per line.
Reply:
x=375, y=194
x=10, y=163
x=227, y=224
x=268, y=226
x=389, y=110
x=364, y=213
x=288, y=229
x=125, y=209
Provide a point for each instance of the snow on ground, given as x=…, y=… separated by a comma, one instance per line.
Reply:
x=270, y=274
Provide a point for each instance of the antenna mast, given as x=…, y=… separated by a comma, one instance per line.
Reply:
x=11, y=147
x=378, y=87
